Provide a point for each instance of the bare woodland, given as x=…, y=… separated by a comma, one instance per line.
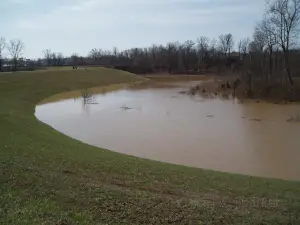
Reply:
x=269, y=58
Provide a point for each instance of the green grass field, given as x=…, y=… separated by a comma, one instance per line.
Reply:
x=49, y=178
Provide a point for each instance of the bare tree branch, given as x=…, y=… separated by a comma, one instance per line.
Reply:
x=15, y=48
x=226, y=44
x=74, y=58
x=284, y=18
x=2, y=47
x=48, y=56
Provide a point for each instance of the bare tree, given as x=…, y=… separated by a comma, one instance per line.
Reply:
x=59, y=59
x=15, y=48
x=202, y=44
x=226, y=44
x=267, y=29
x=285, y=16
x=202, y=48
x=186, y=54
x=48, y=56
x=258, y=50
x=53, y=59
x=259, y=41
x=115, y=52
x=213, y=47
x=171, y=52
x=74, y=58
x=2, y=47
x=243, y=47
x=240, y=47
x=153, y=53
x=96, y=53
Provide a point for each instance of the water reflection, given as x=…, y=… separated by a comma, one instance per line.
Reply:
x=86, y=98
x=158, y=122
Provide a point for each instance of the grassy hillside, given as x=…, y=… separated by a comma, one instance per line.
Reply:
x=48, y=178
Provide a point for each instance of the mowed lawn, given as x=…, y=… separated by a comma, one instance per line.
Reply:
x=49, y=178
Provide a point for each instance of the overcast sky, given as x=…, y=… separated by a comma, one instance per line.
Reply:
x=69, y=26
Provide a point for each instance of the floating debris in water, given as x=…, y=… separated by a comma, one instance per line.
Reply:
x=254, y=119
x=182, y=92
x=210, y=116
x=199, y=100
x=125, y=107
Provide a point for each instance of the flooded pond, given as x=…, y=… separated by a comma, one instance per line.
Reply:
x=157, y=122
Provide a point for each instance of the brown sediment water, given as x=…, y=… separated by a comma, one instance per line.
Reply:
x=155, y=121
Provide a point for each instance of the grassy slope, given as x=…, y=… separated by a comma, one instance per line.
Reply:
x=48, y=178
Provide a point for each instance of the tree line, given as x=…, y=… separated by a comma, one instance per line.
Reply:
x=14, y=48
x=271, y=53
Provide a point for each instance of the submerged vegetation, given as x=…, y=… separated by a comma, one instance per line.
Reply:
x=85, y=94
x=88, y=97
x=232, y=87
x=124, y=107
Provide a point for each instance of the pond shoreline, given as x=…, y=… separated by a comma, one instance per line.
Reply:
x=92, y=91
x=49, y=178
x=138, y=111
x=225, y=86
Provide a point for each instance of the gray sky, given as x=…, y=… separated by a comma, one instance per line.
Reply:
x=69, y=26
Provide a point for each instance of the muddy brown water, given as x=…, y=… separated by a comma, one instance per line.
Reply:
x=157, y=122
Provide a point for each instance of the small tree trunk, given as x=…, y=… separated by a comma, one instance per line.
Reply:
x=262, y=68
x=250, y=75
x=287, y=66
x=271, y=63
x=15, y=62
x=289, y=76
